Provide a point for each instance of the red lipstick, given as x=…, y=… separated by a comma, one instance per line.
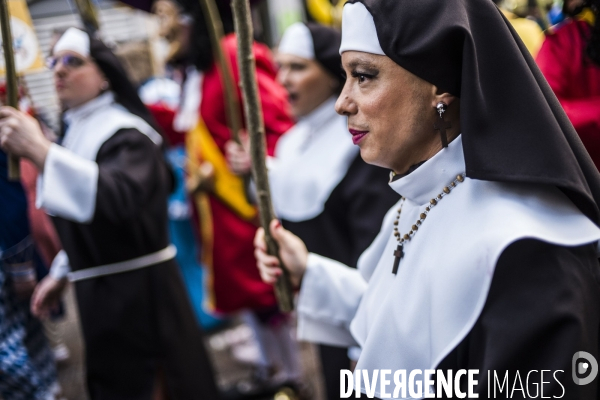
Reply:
x=357, y=136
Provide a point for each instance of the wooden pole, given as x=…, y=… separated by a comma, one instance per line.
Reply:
x=12, y=87
x=256, y=130
x=88, y=15
x=215, y=31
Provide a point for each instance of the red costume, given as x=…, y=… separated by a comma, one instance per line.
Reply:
x=574, y=79
x=228, y=222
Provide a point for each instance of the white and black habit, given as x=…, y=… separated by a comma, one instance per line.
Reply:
x=502, y=275
x=322, y=190
x=106, y=187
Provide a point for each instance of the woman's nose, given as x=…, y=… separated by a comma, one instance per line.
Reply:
x=281, y=77
x=345, y=105
x=60, y=69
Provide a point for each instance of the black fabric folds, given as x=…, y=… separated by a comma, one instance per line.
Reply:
x=513, y=127
x=326, y=42
x=126, y=93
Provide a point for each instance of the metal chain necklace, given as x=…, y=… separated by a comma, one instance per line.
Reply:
x=403, y=239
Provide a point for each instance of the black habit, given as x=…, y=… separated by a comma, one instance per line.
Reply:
x=136, y=324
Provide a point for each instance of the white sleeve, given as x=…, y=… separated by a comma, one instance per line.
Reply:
x=60, y=267
x=67, y=187
x=328, y=300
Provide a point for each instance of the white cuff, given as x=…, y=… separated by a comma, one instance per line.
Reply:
x=60, y=266
x=67, y=187
x=315, y=331
x=328, y=300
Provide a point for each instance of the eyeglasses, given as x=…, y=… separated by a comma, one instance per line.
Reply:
x=68, y=60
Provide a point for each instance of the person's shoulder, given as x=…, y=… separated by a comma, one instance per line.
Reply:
x=230, y=44
x=512, y=211
x=128, y=138
x=566, y=28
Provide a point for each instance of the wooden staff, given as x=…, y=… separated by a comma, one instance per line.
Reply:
x=12, y=87
x=88, y=15
x=215, y=31
x=256, y=130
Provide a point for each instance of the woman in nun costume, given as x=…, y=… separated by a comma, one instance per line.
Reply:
x=322, y=189
x=106, y=187
x=489, y=260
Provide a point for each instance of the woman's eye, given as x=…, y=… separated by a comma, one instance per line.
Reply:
x=362, y=78
x=297, y=67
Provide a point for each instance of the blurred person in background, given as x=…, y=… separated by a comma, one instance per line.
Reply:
x=162, y=96
x=27, y=368
x=106, y=187
x=570, y=61
x=529, y=31
x=225, y=219
x=42, y=230
x=322, y=189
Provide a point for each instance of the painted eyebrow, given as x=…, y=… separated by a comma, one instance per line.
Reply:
x=362, y=63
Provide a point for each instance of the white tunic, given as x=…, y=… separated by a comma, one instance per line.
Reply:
x=414, y=319
x=67, y=187
x=317, y=153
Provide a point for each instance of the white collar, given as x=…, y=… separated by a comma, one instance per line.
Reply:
x=85, y=109
x=310, y=161
x=320, y=115
x=94, y=122
x=427, y=181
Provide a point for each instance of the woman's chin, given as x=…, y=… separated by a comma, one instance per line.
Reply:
x=374, y=157
x=367, y=155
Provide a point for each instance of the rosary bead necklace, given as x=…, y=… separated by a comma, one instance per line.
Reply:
x=403, y=239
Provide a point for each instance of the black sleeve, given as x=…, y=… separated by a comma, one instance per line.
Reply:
x=543, y=306
x=368, y=197
x=131, y=168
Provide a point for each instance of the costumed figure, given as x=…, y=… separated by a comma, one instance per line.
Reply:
x=106, y=187
x=27, y=370
x=227, y=220
x=43, y=233
x=162, y=97
x=489, y=260
x=570, y=61
x=321, y=188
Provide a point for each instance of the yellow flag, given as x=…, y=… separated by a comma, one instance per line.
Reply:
x=27, y=55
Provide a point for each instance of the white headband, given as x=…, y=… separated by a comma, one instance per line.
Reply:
x=74, y=40
x=358, y=30
x=297, y=41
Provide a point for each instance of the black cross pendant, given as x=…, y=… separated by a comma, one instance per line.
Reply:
x=399, y=253
x=442, y=126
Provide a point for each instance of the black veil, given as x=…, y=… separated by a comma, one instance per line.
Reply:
x=125, y=91
x=513, y=127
